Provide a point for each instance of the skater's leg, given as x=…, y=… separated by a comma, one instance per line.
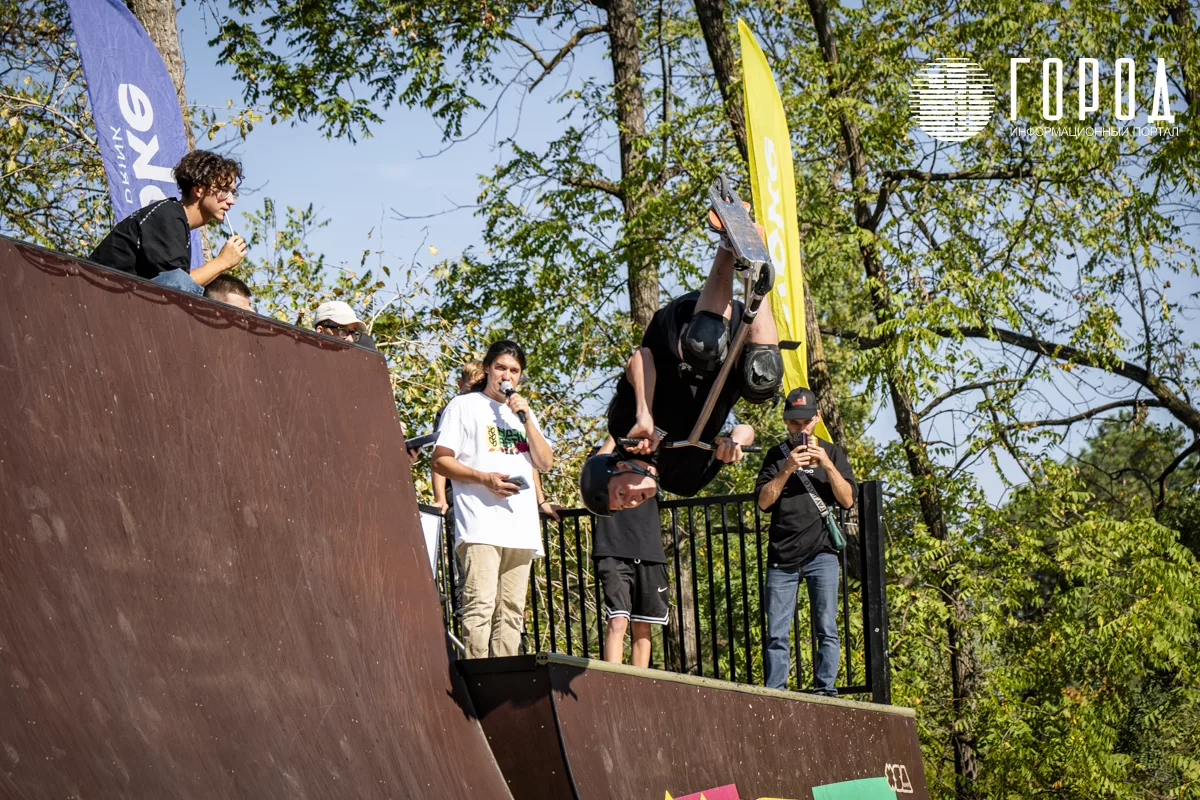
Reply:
x=717, y=294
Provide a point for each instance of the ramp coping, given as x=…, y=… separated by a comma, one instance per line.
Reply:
x=713, y=683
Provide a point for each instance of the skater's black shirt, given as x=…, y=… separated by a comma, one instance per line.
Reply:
x=634, y=533
x=149, y=242
x=678, y=401
x=797, y=531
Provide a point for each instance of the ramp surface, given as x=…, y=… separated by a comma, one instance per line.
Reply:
x=212, y=576
x=566, y=727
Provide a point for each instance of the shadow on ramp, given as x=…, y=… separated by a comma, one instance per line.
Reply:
x=564, y=727
x=212, y=574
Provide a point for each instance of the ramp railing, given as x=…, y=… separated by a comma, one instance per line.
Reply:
x=716, y=551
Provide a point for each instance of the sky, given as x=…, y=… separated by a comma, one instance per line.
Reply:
x=362, y=187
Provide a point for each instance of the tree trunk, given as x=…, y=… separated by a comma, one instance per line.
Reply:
x=909, y=428
x=624, y=47
x=158, y=18
x=720, y=52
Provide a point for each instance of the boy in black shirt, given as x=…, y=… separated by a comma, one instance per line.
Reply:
x=799, y=542
x=632, y=568
x=155, y=243
x=665, y=385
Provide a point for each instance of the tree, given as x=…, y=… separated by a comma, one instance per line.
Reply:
x=52, y=187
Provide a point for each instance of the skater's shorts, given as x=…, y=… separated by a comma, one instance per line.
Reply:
x=634, y=589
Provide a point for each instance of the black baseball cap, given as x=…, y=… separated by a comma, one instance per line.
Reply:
x=800, y=404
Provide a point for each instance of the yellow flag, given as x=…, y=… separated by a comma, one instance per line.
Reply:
x=773, y=182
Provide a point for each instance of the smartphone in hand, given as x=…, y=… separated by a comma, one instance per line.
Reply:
x=798, y=439
x=518, y=481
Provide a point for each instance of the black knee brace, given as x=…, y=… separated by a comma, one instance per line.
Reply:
x=762, y=372
x=705, y=342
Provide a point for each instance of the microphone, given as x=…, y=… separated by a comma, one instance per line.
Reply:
x=509, y=391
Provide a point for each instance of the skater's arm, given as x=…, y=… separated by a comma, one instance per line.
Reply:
x=729, y=448
x=641, y=375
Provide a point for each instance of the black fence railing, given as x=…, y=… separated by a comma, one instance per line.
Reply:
x=716, y=551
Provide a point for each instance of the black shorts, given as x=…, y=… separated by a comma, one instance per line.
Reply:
x=634, y=589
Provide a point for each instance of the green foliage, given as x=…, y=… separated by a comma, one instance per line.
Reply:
x=52, y=189
x=1093, y=674
x=424, y=351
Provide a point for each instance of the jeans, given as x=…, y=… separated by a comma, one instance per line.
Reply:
x=180, y=280
x=821, y=574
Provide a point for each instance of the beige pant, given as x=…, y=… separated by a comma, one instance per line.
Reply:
x=495, y=582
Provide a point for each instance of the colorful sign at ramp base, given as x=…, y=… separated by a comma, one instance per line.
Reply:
x=865, y=789
x=729, y=792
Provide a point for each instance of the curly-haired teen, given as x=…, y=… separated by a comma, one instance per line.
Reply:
x=154, y=242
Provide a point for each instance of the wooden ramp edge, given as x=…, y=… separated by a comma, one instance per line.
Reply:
x=213, y=582
x=578, y=729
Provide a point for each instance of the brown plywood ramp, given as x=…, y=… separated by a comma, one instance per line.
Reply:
x=212, y=577
x=573, y=729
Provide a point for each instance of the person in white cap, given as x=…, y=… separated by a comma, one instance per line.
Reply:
x=337, y=319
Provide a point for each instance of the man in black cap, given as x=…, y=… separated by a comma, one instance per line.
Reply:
x=800, y=481
x=666, y=382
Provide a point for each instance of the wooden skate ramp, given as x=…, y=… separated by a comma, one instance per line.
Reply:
x=566, y=727
x=212, y=577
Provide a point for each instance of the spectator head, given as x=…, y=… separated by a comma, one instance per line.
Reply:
x=472, y=373
x=800, y=412
x=337, y=319
x=210, y=181
x=505, y=361
x=229, y=290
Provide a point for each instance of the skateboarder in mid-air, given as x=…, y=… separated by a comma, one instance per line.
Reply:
x=665, y=415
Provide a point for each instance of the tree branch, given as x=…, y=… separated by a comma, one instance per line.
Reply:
x=564, y=51
x=1174, y=465
x=967, y=387
x=1180, y=14
x=599, y=184
x=1180, y=408
x=1044, y=423
x=962, y=175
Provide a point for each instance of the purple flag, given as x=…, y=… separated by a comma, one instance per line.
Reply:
x=134, y=106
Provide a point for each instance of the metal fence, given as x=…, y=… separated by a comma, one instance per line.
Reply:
x=716, y=552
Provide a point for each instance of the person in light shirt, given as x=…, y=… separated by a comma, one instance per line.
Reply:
x=489, y=455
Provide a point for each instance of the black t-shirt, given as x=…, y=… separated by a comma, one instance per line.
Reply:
x=150, y=241
x=678, y=401
x=631, y=533
x=797, y=530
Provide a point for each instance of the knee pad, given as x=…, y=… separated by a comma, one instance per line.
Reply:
x=705, y=342
x=762, y=372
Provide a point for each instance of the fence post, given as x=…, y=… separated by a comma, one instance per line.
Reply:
x=875, y=608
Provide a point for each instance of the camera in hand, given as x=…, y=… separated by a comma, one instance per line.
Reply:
x=798, y=439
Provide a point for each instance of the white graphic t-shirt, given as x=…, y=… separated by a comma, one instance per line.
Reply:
x=487, y=436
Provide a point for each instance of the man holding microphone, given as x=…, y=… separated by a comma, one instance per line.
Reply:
x=489, y=445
